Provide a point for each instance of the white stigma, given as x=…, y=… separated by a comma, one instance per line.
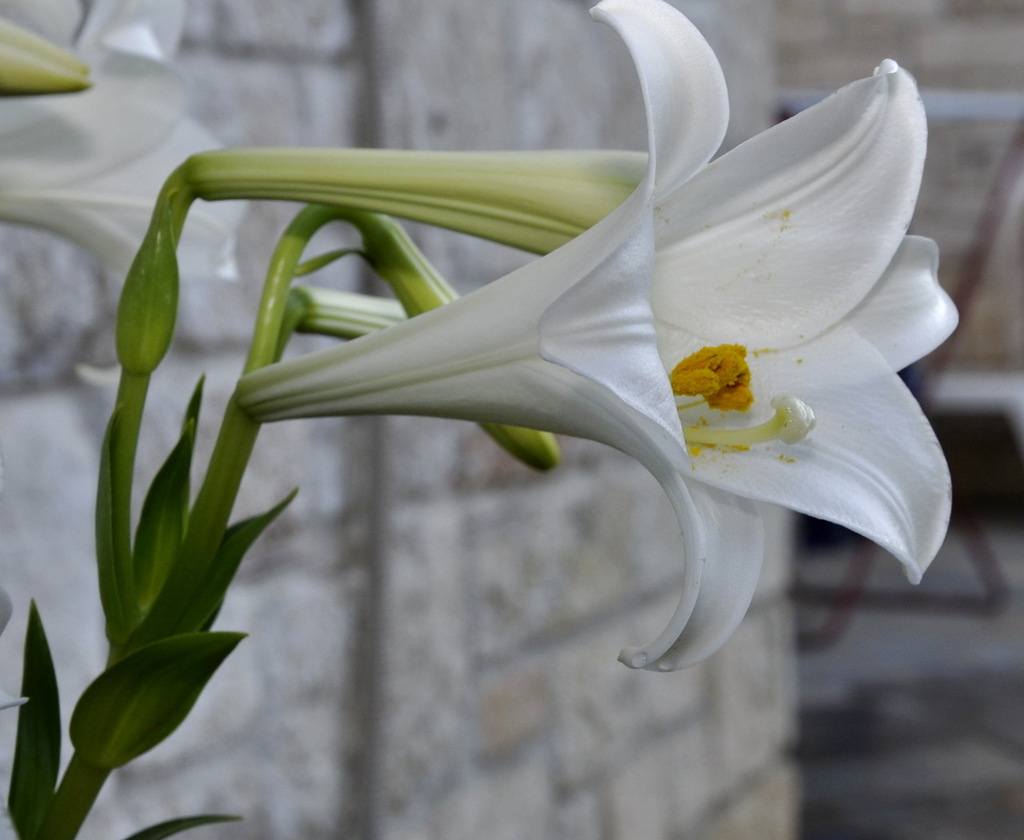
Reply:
x=796, y=416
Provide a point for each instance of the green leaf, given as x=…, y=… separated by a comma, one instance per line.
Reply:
x=37, y=747
x=163, y=519
x=113, y=553
x=166, y=829
x=192, y=412
x=194, y=605
x=139, y=701
x=238, y=539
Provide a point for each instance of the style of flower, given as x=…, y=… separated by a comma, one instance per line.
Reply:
x=735, y=326
x=88, y=165
x=5, y=615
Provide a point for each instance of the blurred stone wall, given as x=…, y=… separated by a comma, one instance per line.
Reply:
x=433, y=628
x=967, y=57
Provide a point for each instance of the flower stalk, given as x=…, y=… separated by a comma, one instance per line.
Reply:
x=72, y=801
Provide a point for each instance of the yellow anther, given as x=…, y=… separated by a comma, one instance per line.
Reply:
x=792, y=422
x=718, y=374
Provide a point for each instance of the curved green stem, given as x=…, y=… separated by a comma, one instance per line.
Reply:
x=283, y=268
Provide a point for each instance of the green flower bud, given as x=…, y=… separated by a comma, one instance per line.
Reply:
x=149, y=301
x=31, y=65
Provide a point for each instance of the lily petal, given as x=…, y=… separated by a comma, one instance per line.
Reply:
x=907, y=315
x=90, y=166
x=753, y=245
x=6, y=701
x=681, y=82
x=724, y=542
x=109, y=214
x=872, y=462
x=62, y=140
x=148, y=28
x=6, y=609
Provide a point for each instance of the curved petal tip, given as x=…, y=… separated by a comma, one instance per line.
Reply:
x=634, y=657
x=6, y=608
x=724, y=537
x=8, y=702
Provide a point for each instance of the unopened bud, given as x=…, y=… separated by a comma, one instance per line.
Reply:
x=149, y=300
x=30, y=65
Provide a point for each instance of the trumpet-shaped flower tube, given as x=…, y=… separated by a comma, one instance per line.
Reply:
x=89, y=165
x=735, y=326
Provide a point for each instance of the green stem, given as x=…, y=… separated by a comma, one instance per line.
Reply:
x=123, y=614
x=175, y=609
x=283, y=268
x=72, y=801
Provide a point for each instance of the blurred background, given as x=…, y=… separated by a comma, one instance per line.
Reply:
x=911, y=701
x=433, y=628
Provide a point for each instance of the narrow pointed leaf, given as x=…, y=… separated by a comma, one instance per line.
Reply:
x=138, y=702
x=37, y=748
x=192, y=610
x=166, y=829
x=238, y=539
x=163, y=519
x=194, y=405
x=111, y=548
x=164, y=514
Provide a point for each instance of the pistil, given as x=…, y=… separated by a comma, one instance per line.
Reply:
x=793, y=420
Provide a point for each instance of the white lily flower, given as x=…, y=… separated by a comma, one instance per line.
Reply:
x=790, y=250
x=89, y=165
x=7, y=701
